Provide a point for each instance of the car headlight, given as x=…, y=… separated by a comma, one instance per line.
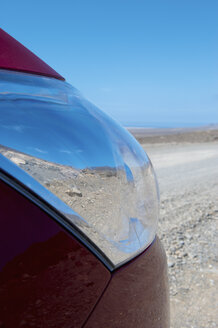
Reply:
x=103, y=179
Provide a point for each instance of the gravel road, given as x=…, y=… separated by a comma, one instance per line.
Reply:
x=188, y=180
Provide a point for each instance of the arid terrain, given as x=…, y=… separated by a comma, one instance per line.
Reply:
x=186, y=163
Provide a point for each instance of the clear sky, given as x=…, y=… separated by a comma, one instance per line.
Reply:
x=144, y=62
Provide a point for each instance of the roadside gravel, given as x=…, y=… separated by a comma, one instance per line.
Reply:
x=188, y=179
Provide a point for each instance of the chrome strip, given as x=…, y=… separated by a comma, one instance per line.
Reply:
x=48, y=202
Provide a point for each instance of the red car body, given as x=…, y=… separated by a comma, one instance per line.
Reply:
x=48, y=277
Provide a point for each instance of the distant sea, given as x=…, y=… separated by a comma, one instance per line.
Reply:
x=169, y=125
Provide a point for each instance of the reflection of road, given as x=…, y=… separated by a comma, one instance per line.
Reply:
x=188, y=179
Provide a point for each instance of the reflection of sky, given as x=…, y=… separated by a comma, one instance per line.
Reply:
x=57, y=135
x=54, y=133
x=73, y=132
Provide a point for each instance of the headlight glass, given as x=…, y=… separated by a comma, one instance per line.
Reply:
x=83, y=157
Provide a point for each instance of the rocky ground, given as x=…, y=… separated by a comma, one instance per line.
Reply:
x=188, y=177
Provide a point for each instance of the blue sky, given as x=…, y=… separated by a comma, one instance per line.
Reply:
x=143, y=62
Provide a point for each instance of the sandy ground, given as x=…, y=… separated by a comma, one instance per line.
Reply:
x=186, y=164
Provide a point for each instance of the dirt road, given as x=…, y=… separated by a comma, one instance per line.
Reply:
x=188, y=179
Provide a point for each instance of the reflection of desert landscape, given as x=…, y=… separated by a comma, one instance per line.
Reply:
x=186, y=163
x=98, y=195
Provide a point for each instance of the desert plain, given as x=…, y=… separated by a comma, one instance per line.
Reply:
x=186, y=164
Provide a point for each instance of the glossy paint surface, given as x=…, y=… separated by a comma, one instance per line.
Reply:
x=47, y=278
x=137, y=295
x=14, y=56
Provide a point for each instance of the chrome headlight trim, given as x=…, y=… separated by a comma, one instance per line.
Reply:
x=103, y=180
